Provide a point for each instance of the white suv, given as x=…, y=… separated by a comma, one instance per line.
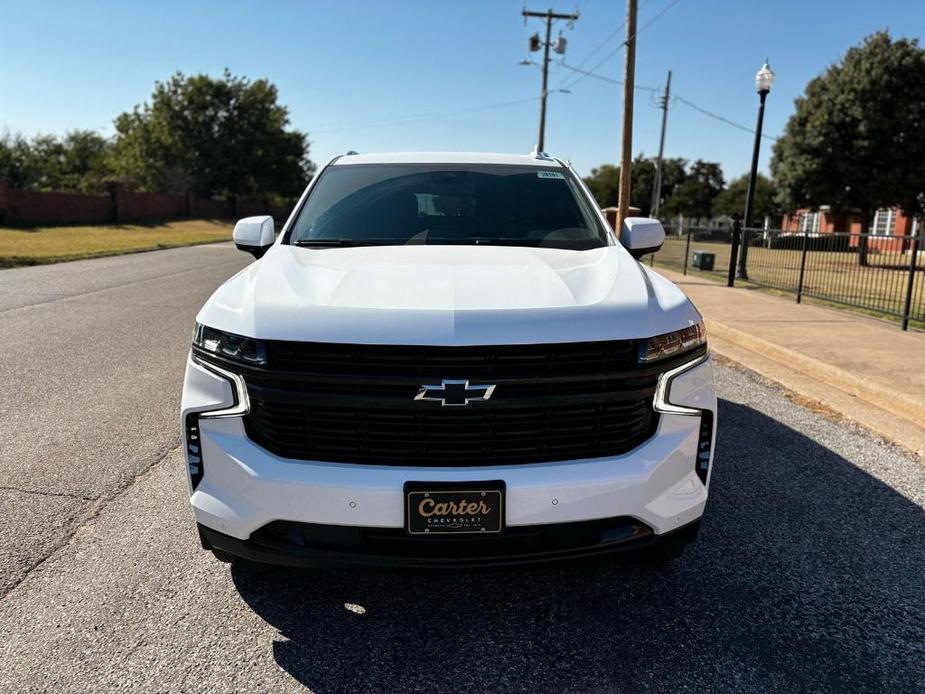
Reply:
x=447, y=360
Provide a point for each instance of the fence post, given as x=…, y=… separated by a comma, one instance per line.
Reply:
x=802, y=266
x=687, y=248
x=734, y=251
x=913, y=252
x=117, y=193
x=6, y=205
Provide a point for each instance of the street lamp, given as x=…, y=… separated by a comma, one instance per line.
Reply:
x=763, y=81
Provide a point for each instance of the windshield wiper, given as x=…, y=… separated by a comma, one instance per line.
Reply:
x=334, y=243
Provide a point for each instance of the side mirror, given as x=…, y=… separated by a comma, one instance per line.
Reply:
x=254, y=235
x=641, y=235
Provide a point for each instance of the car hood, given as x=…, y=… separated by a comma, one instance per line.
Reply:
x=447, y=295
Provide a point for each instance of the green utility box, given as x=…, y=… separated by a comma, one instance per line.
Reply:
x=703, y=260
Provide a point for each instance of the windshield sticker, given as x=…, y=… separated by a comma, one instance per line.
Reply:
x=549, y=174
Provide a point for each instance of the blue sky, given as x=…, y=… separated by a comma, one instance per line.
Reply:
x=419, y=75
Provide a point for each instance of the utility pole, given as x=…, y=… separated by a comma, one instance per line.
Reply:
x=535, y=45
x=657, y=187
x=629, y=78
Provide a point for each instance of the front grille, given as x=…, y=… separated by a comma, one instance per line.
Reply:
x=355, y=403
x=511, y=361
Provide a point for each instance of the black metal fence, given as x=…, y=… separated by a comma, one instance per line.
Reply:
x=882, y=275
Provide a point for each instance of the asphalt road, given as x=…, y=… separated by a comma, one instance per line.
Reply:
x=809, y=574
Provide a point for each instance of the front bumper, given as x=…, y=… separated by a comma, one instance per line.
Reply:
x=244, y=488
x=313, y=546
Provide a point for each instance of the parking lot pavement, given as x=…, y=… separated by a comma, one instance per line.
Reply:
x=807, y=577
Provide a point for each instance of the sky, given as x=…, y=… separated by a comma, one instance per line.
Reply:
x=440, y=75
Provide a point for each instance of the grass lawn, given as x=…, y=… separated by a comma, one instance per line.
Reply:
x=41, y=245
x=829, y=277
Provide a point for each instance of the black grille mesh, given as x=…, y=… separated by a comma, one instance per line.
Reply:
x=355, y=403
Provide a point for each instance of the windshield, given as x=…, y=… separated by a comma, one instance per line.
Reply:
x=396, y=204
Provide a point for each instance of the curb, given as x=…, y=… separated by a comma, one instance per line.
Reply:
x=886, y=399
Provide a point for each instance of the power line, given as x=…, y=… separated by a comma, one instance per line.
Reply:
x=684, y=101
x=652, y=21
x=718, y=117
x=600, y=45
x=622, y=44
x=588, y=73
x=425, y=116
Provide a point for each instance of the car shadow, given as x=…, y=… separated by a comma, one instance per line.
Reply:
x=808, y=575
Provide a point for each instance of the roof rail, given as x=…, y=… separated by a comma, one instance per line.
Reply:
x=537, y=154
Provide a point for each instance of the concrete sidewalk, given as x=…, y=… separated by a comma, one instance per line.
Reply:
x=861, y=368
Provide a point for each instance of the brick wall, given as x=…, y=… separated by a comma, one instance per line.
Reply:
x=140, y=207
x=210, y=209
x=30, y=208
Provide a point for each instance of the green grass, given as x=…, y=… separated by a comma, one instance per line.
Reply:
x=37, y=246
x=831, y=278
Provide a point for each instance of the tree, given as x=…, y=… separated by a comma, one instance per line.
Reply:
x=210, y=137
x=76, y=162
x=857, y=139
x=85, y=161
x=673, y=173
x=17, y=165
x=604, y=182
x=695, y=195
x=731, y=201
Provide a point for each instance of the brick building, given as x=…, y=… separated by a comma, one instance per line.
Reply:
x=887, y=223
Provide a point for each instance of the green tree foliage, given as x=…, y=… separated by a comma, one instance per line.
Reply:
x=209, y=136
x=643, y=182
x=695, y=195
x=16, y=163
x=78, y=161
x=604, y=182
x=731, y=201
x=857, y=139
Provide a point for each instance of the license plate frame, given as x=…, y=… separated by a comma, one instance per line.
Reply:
x=463, y=510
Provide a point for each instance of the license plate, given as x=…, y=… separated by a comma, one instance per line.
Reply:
x=454, y=509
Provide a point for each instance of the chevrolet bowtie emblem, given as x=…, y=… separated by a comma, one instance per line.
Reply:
x=452, y=393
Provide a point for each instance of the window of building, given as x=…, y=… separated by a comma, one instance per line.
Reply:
x=884, y=222
x=809, y=221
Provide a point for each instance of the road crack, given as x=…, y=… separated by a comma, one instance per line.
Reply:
x=97, y=505
x=69, y=495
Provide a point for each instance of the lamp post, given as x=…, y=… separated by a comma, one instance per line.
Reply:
x=763, y=81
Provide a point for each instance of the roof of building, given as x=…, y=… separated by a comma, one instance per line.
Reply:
x=446, y=158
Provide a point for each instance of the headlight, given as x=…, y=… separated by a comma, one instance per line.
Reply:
x=235, y=347
x=677, y=342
